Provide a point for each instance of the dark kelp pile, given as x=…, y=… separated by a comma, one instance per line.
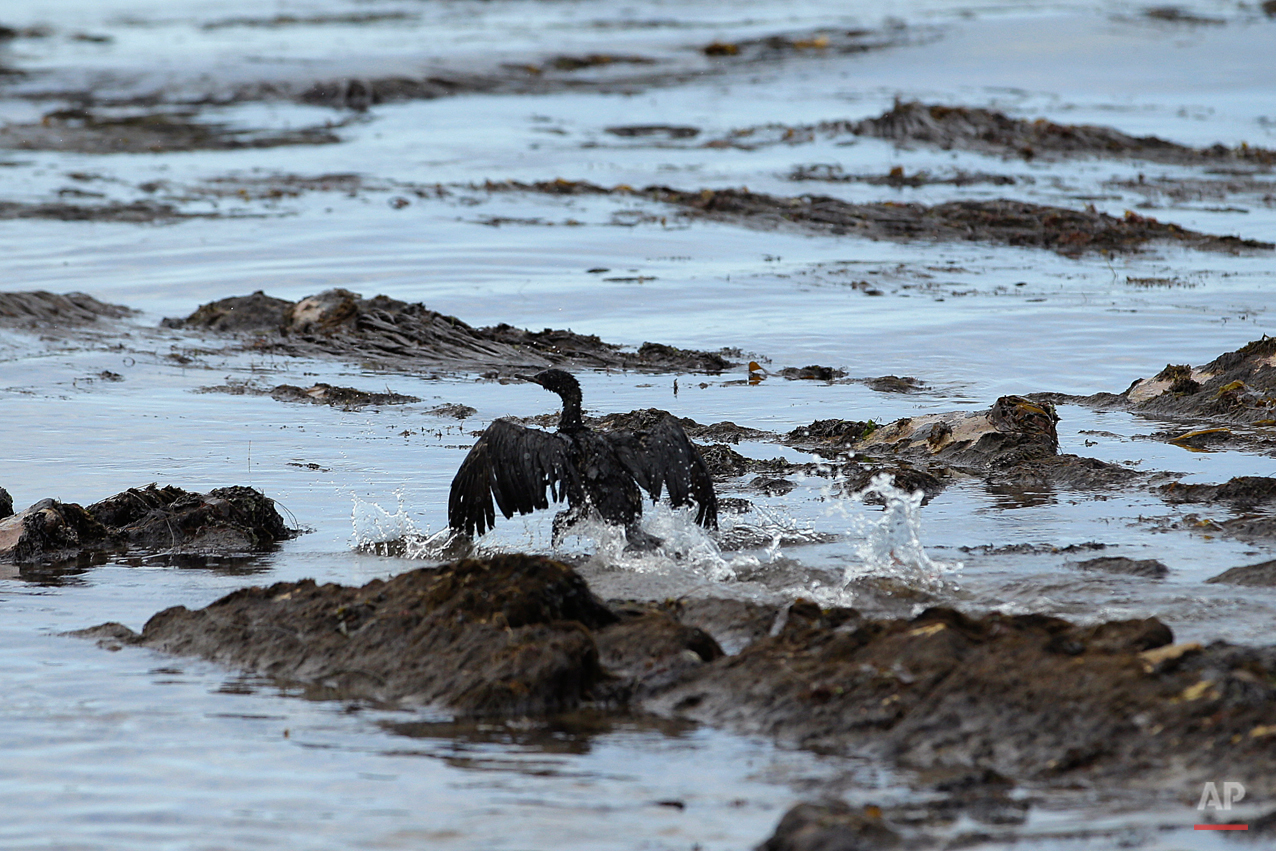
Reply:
x=1002, y=221
x=224, y=521
x=997, y=700
x=133, y=212
x=991, y=132
x=387, y=332
x=321, y=393
x=87, y=131
x=39, y=309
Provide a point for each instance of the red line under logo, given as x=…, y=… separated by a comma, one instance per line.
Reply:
x=1220, y=827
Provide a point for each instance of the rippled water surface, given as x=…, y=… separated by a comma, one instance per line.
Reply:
x=135, y=750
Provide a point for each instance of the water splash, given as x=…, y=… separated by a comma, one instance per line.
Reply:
x=684, y=546
x=887, y=544
x=394, y=533
x=375, y=529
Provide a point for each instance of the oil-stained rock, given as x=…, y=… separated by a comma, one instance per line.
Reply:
x=52, y=532
x=238, y=314
x=649, y=650
x=1147, y=567
x=1014, y=698
x=387, y=332
x=225, y=521
x=1262, y=574
x=724, y=462
x=831, y=825
x=133, y=212
x=812, y=373
x=322, y=393
x=895, y=384
x=1236, y=387
x=1014, y=443
x=1025, y=696
x=667, y=131
x=1241, y=492
x=509, y=636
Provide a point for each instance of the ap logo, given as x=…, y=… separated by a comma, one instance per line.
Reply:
x=1233, y=793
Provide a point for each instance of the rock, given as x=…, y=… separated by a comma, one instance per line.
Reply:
x=812, y=373
x=6, y=504
x=831, y=826
x=895, y=384
x=383, y=330
x=1013, y=698
x=224, y=521
x=1242, y=492
x=1004, y=221
x=989, y=131
x=1014, y=444
x=507, y=636
x=771, y=486
x=832, y=431
x=52, y=531
x=1024, y=696
x=453, y=410
x=1261, y=574
x=650, y=650
x=1238, y=386
x=256, y=313
x=734, y=624
x=1148, y=567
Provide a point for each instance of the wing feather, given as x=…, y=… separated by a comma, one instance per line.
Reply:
x=513, y=465
x=662, y=458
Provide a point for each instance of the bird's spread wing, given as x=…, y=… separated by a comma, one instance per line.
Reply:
x=514, y=465
x=663, y=457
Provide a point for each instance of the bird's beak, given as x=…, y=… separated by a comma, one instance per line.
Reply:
x=530, y=378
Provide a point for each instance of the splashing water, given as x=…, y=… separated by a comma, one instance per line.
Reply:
x=887, y=544
x=387, y=533
x=377, y=530
x=684, y=545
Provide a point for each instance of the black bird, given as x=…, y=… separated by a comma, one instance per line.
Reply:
x=596, y=472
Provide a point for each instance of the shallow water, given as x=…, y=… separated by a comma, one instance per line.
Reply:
x=136, y=750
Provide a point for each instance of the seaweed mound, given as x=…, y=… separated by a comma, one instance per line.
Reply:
x=224, y=521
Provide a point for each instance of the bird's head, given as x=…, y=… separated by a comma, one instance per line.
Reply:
x=556, y=381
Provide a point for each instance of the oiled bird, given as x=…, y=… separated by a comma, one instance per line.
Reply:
x=598, y=473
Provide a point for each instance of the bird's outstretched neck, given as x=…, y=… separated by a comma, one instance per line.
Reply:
x=571, y=419
x=567, y=389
